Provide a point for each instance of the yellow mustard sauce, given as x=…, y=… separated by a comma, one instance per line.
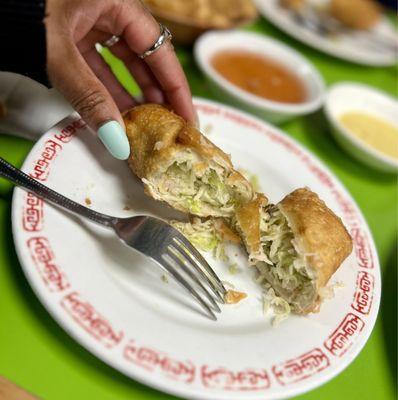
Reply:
x=373, y=131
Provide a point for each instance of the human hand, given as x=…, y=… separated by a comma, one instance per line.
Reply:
x=75, y=68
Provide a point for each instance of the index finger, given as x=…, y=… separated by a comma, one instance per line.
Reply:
x=140, y=34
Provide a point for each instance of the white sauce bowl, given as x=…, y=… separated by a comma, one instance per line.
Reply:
x=347, y=97
x=213, y=42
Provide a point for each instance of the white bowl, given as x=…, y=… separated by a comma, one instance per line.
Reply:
x=345, y=97
x=214, y=41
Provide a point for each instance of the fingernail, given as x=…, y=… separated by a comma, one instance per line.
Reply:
x=114, y=138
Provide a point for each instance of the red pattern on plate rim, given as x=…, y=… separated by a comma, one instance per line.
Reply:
x=44, y=259
x=91, y=320
x=41, y=168
x=157, y=361
x=363, y=295
x=344, y=336
x=53, y=147
x=302, y=367
x=242, y=380
x=32, y=214
x=362, y=248
x=70, y=130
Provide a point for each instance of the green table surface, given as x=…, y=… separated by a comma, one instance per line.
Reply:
x=37, y=354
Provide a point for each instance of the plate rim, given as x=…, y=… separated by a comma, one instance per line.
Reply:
x=137, y=374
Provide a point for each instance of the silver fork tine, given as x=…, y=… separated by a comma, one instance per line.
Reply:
x=191, y=262
x=180, y=260
x=191, y=251
x=169, y=267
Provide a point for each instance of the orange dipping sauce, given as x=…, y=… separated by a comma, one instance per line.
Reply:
x=260, y=76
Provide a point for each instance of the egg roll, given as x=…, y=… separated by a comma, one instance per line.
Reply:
x=296, y=245
x=356, y=14
x=180, y=166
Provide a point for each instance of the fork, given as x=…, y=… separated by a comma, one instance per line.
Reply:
x=151, y=236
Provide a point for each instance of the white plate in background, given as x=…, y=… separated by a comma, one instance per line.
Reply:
x=349, y=46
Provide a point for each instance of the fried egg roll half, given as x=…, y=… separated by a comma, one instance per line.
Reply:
x=296, y=245
x=180, y=166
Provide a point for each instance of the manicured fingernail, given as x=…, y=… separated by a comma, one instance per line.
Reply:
x=114, y=139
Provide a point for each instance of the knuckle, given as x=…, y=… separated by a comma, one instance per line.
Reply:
x=88, y=102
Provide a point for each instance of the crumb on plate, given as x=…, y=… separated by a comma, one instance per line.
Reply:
x=233, y=296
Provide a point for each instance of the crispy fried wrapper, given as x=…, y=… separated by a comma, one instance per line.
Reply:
x=180, y=166
x=297, y=245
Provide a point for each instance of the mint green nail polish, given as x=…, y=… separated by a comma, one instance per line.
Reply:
x=114, y=139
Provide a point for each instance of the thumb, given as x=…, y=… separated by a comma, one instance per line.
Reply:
x=71, y=75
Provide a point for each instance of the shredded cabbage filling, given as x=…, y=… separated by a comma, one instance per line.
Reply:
x=279, y=306
x=188, y=183
x=203, y=235
x=280, y=264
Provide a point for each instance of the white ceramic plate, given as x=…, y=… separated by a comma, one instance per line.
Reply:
x=351, y=47
x=115, y=304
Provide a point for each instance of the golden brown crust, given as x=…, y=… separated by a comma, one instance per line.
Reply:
x=318, y=232
x=248, y=221
x=158, y=138
x=357, y=14
x=155, y=134
x=214, y=14
x=226, y=233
